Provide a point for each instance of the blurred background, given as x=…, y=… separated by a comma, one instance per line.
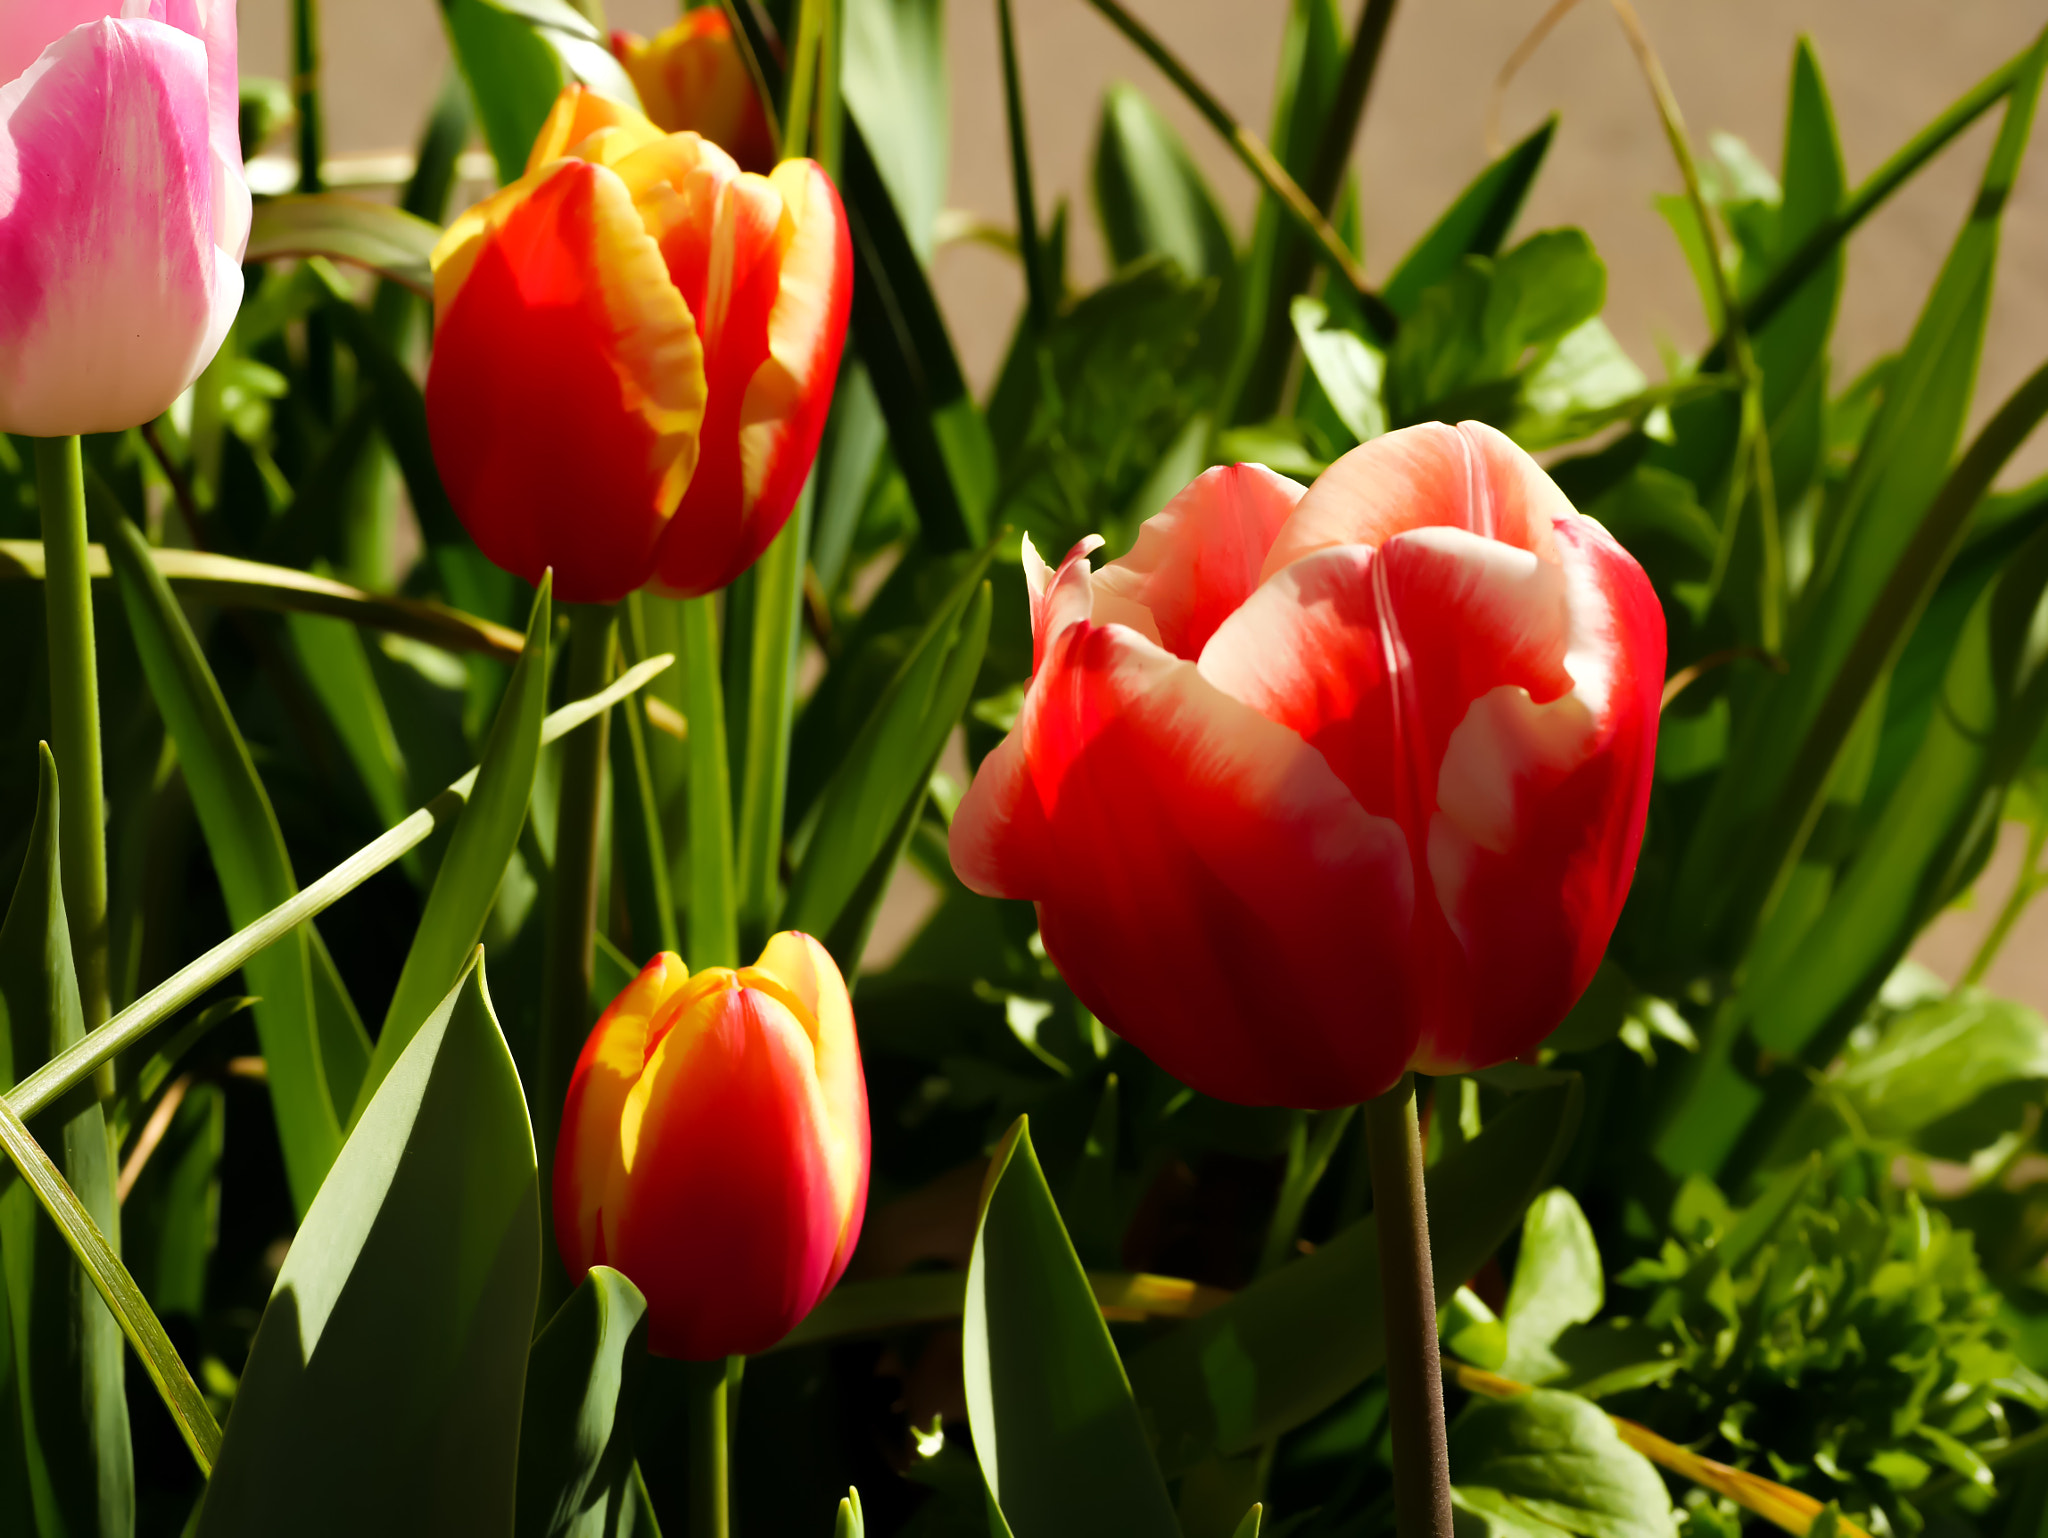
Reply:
x=1890, y=65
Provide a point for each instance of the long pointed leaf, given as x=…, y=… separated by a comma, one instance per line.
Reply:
x=247, y=847
x=1055, y=1428
x=383, y=1388
x=576, y=1470
x=473, y=866
x=67, y=1347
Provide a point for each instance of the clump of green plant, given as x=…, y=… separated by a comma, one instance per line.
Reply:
x=1837, y=1334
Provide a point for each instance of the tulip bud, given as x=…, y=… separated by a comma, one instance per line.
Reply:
x=123, y=209
x=1318, y=785
x=714, y=1147
x=634, y=353
x=691, y=78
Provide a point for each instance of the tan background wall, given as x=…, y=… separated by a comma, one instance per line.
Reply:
x=1890, y=64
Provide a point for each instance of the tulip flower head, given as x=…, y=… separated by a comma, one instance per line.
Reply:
x=691, y=78
x=634, y=352
x=1317, y=785
x=123, y=209
x=714, y=1147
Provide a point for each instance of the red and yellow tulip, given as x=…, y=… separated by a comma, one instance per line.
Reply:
x=634, y=353
x=714, y=1147
x=692, y=79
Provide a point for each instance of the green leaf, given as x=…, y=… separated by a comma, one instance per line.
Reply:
x=940, y=440
x=768, y=716
x=65, y=1072
x=1350, y=369
x=1249, y=1527
x=850, y=1523
x=1938, y=1058
x=383, y=1389
x=576, y=1468
x=1471, y=1332
x=1475, y=225
x=1557, y=1285
x=473, y=865
x=517, y=55
x=897, y=89
x=1150, y=198
x=247, y=847
x=639, y=846
x=331, y=655
x=1892, y=535
x=713, y=906
x=886, y=767
x=67, y=1356
x=1295, y=1342
x=1546, y=1462
x=389, y=241
x=172, y=1212
x=1055, y=1429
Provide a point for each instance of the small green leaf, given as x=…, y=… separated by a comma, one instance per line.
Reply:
x=1249, y=1527
x=1350, y=369
x=1150, y=198
x=383, y=1389
x=1055, y=1428
x=1940, y=1057
x=1471, y=1332
x=1557, y=1285
x=850, y=1523
x=575, y=1438
x=473, y=865
x=1474, y=225
x=1546, y=1463
x=387, y=240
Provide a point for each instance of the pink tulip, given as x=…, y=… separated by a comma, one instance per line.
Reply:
x=123, y=209
x=1314, y=787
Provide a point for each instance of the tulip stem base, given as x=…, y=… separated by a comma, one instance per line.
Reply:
x=75, y=724
x=710, y=1465
x=570, y=956
x=1415, y=1390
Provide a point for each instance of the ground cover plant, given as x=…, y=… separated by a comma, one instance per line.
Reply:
x=1413, y=1033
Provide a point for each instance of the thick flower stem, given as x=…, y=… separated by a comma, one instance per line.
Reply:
x=571, y=953
x=1415, y=1389
x=75, y=724
x=710, y=1466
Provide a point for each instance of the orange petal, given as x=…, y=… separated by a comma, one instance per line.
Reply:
x=692, y=78
x=589, y=127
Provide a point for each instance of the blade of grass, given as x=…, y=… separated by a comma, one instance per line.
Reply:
x=714, y=924
x=111, y=1279
x=771, y=708
x=69, y=1068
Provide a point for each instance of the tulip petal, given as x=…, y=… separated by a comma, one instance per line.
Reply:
x=691, y=78
x=1202, y=878
x=770, y=277
x=590, y=127
x=733, y=1143
x=1198, y=558
x=566, y=385
x=797, y=967
x=1470, y=476
x=112, y=294
x=1058, y=598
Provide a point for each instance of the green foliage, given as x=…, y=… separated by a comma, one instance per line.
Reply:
x=1547, y=1463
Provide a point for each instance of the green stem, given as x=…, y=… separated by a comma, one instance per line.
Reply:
x=569, y=961
x=831, y=133
x=778, y=624
x=75, y=724
x=1415, y=1390
x=1259, y=160
x=710, y=1511
x=803, y=78
x=2024, y=890
x=1038, y=301
x=306, y=92
x=714, y=936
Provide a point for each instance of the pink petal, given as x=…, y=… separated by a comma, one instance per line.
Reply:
x=1467, y=477
x=1204, y=882
x=112, y=291
x=1198, y=558
x=1058, y=598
